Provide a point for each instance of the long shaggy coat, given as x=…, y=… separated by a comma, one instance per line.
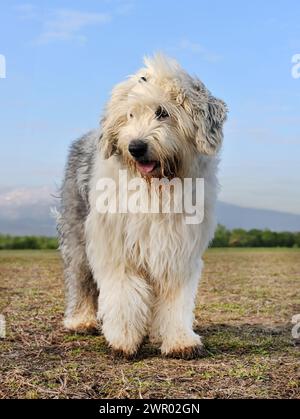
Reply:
x=137, y=274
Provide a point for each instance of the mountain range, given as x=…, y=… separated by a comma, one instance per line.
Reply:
x=27, y=211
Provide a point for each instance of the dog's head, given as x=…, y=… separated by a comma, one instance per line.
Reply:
x=160, y=119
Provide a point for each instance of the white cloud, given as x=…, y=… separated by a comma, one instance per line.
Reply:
x=61, y=24
x=26, y=11
x=198, y=49
x=67, y=25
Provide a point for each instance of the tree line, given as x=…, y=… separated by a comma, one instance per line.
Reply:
x=254, y=238
x=27, y=242
x=223, y=238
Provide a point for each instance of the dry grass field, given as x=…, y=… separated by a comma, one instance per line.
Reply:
x=244, y=310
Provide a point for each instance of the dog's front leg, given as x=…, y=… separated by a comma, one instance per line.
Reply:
x=173, y=320
x=124, y=303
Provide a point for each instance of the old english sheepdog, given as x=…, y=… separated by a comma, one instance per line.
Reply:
x=136, y=273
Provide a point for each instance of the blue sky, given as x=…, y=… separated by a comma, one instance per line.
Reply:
x=63, y=58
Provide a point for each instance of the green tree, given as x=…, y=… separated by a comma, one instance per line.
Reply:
x=221, y=238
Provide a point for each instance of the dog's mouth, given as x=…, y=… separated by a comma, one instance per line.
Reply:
x=147, y=168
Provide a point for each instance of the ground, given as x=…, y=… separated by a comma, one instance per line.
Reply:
x=246, y=302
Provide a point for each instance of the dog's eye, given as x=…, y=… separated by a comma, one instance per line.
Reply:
x=161, y=113
x=131, y=115
x=143, y=79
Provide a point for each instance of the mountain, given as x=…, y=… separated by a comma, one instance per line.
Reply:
x=27, y=211
x=233, y=216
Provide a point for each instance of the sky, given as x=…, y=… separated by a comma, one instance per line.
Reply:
x=63, y=58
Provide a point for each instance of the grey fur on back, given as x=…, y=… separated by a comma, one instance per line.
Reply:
x=74, y=208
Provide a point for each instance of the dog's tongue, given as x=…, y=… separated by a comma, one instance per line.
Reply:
x=146, y=168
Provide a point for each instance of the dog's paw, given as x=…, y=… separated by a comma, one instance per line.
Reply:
x=188, y=345
x=190, y=352
x=123, y=354
x=123, y=341
x=89, y=327
x=154, y=339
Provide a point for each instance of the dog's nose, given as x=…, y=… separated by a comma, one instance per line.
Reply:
x=138, y=148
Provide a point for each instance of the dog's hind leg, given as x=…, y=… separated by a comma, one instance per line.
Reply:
x=81, y=292
x=81, y=299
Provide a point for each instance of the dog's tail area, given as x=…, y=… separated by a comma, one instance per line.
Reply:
x=57, y=216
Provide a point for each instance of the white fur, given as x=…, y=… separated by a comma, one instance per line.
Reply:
x=148, y=266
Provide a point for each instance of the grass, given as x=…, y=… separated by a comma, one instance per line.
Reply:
x=246, y=302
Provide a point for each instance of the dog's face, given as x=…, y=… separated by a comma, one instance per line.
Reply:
x=152, y=140
x=160, y=119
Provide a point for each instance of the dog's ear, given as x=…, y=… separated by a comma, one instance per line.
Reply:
x=210, y=133
x=114, y=118
x=209, y=115
x=108, y=139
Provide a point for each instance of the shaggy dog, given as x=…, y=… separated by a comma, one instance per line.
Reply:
x=137, y=274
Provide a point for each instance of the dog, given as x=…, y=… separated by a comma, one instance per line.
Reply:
x=137, y=274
